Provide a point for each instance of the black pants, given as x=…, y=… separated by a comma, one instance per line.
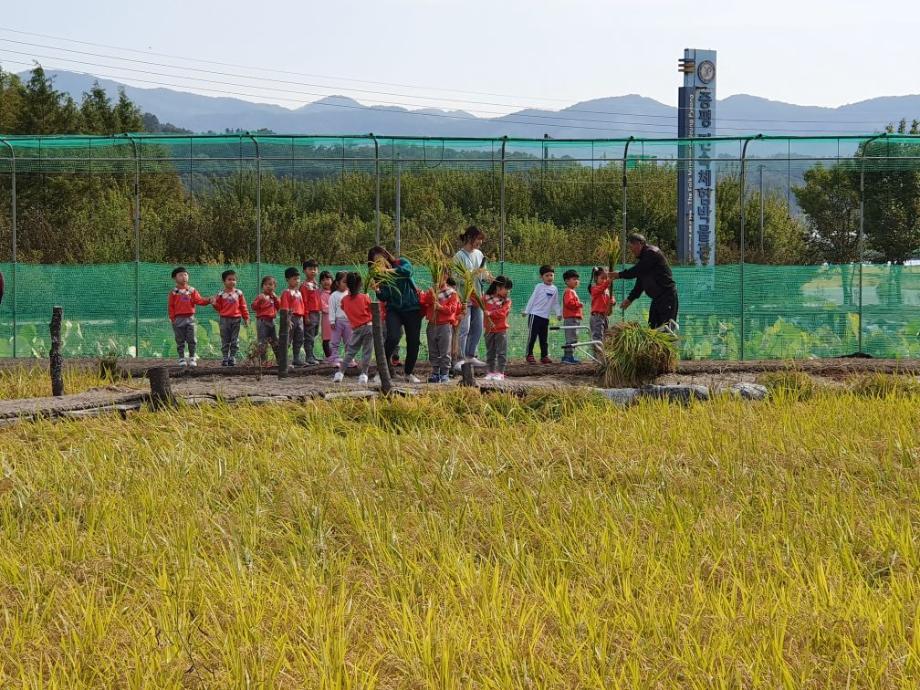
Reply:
x=662, y=310
x=539, y=328
x=411, y=321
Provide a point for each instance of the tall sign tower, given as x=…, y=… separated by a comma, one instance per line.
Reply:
x=696, y=177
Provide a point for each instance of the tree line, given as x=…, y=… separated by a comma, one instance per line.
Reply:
x=553, y=213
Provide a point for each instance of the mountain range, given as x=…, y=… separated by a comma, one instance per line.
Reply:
x=612, y=117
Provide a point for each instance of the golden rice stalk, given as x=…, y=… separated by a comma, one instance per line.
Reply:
x=634, y=355
x=608, y=250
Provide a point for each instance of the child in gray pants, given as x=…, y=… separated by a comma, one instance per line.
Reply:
x=497, y=307
x=572, y=312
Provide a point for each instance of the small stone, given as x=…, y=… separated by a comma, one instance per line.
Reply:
x=620, y=396
x=748, y=391
x=676, y=393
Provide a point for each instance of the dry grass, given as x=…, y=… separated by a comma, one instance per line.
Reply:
x=466, y=541
x=34, y=382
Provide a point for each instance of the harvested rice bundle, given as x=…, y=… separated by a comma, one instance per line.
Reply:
x=634, y=355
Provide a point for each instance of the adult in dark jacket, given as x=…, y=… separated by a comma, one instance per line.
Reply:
x=403, y=310
x=653, y=277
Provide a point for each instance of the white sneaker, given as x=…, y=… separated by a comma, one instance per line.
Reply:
x=376, y=380
x=491, y=376
x=499, y=376
x=362, y=379
x=182, y=362
x=476, y=362
x=339, y=376
x=412, y=378
x=192, y=362
x=458, y=366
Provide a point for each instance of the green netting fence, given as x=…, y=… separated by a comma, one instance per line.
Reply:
x=726, y=312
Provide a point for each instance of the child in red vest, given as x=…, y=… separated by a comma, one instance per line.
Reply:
x=441, y=310
x=572, y=313
x=231, y=305
x=357, y=307
x=313, y=308
x=602, y=302
x=266, y=307
x=181, y=308
x=292, y=300
x=498, y=306
x=325, y=292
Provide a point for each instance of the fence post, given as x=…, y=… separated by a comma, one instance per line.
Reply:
x=14, y=228
x=137, y=249
x=258, y=210
x=861, y=242
x=623, y=230
x=501, y=210
x=398, y=207
x=741, y=199
x=284, y=330
x=377, y=190
x=56, y=363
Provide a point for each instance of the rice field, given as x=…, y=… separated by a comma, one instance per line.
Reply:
x=34, y=382
x=460, y=540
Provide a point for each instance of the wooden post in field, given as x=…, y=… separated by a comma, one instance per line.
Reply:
x=284, y=335
x=468, y=379
x=161, y=394
x=57, y=362
x=383, y=366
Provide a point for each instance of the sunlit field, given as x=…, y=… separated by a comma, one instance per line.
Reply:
x=462, y=540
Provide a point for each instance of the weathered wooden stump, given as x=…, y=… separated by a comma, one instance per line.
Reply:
x=161, y=394
x=284, y=336
x=380, y=355
x=57, y=361
x=467, y=377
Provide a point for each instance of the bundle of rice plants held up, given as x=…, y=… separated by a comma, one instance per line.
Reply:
x=634, y=355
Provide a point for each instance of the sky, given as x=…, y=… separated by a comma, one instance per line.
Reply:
x=484, y=57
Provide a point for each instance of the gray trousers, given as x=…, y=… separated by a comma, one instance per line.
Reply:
x=184, y=330
x=362, y=339
x=267, y=333
x=295, y=337
x=598, y=326
x=497, y=351
x=440, y=338
x=229, y=335
x=571, y=335
x=310, y=330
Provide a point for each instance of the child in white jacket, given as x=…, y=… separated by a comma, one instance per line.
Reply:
x=543, y=303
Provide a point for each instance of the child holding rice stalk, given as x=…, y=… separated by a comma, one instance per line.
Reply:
x=572, y=314
x=602, y=301
x=441, y=306
x=471, y=270
x=497, y=307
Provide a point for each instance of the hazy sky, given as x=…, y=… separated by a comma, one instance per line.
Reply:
x=542, y=53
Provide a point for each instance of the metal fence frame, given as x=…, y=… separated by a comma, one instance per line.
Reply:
x=9, y=143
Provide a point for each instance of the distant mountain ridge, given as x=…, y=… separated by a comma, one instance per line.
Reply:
x=611, y=117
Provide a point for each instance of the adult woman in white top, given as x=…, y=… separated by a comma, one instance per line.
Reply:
x=471, y=327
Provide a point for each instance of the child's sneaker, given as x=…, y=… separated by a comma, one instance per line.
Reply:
x=192, y=362
x=362, y=379
x=297, y=363
x=434, y=378
x=338, y=377
x=545, y=360
x=225, y=362
x=490, y=376
x=444, y=378
x=499, y=376
x=231, y=362
x=412, y=378
x=570, y=360
x=531, y=359
x=312, y=362
x=458, y=365
x=182, y=362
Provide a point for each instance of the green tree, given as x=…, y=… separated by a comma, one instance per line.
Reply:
x=829, y=198
x=44, y=109
x=11, y=95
